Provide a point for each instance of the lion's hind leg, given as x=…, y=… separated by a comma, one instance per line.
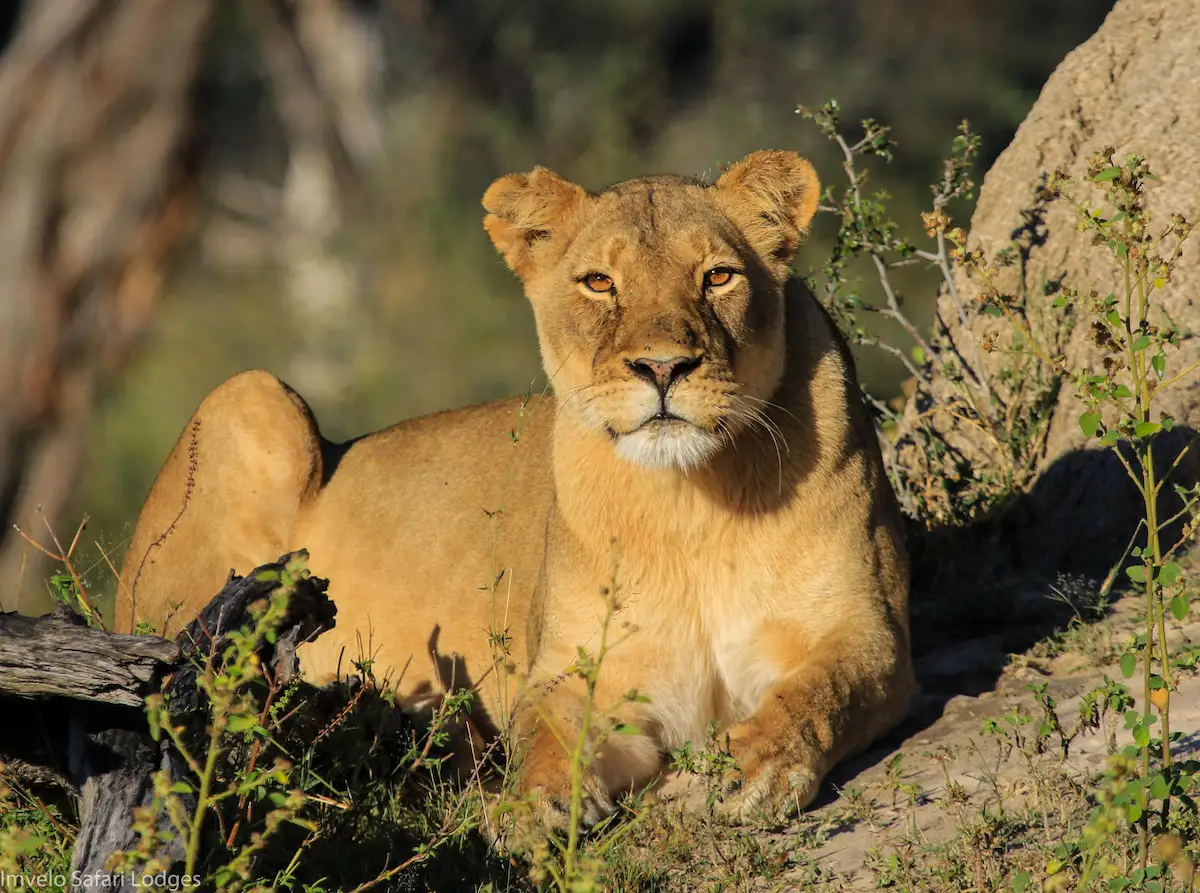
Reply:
x=226, y=499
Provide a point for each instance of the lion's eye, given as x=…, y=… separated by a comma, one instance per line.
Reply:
x=718, y=276
x=598, y=282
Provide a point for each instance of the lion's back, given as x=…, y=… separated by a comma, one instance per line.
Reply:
x=413, y=526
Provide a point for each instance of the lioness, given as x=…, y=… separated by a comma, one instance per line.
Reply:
x=705, y=470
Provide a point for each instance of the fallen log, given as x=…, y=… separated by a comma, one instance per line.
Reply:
x=83, y=690
x=59, y=656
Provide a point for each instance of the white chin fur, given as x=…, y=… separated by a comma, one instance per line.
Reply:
x=673, y=445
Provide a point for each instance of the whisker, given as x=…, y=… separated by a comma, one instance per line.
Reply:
x=757, y=419
x=771, y=405
x=765, y=422
x=564, y=399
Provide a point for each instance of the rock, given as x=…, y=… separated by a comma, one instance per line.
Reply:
x=1134, y=86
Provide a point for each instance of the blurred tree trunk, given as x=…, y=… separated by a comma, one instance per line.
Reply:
x=323, y=60
x=97, y=160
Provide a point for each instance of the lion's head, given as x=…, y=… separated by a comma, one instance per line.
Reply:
x=659, y=301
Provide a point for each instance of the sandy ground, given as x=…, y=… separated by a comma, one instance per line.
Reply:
x=945, y=739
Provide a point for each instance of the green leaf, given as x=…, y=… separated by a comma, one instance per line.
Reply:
x=1089, y=422
x=1179, y=607
x=241, y=722
x=1020, y=882
x=1136, y=572
x=1141, y=737
x=992, y=310
x=1145, y=429
x=1128, y=664
x=1110, y=437
x=1159, y=789
x=1114, y=318
x=626, y=728
x=1122, y=392
x=1168, y=573
x=1159, y=362
x=1109, y=173
x=918, y=356
x=1140, y=343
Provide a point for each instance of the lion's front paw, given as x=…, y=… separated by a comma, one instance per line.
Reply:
x=523, y=823
x=553, y=811
x=544, y=797
x=774, y=776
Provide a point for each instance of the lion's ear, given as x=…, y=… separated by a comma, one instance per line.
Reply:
x=527, y=213
x=772, y=195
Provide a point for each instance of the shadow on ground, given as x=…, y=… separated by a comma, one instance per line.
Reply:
x=983, y=592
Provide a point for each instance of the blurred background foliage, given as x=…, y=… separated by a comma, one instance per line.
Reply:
x=356, y=267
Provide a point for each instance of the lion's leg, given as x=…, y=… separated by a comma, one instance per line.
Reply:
x=226, y=499
x=851, y=687
x=619, y=753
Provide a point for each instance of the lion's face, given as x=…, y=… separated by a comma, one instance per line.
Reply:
x=659, y=301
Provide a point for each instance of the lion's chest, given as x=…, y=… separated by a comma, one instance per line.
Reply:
x=717, y=637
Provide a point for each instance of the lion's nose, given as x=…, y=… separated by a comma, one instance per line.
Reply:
x=663, y=373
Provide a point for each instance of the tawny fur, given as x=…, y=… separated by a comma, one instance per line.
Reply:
x=754, y=543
